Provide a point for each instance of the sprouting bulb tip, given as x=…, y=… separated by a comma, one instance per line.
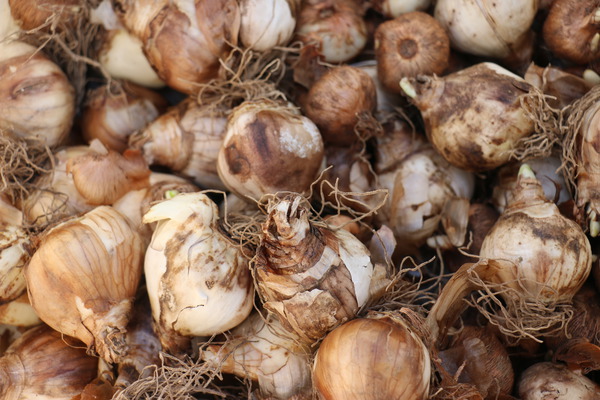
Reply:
x=526, y=172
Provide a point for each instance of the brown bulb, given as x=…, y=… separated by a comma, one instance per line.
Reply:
x=572, y=30
x=112, y=117
x=372, y=358
x=411, y=44
x=33, y=14
x=44, y=364
x=183, y=41
x=483, y=360
x=336, y=100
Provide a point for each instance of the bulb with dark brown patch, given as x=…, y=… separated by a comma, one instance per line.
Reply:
x=197, y=278
x=411, y=44
x=337, y=99
x=572, y=30
x=474, y=117
x=269, y=148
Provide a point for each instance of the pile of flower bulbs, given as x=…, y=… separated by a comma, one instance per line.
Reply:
x=299, y=199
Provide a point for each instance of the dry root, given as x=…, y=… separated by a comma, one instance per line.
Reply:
x=68, y=37
x=573, y=117
x=515, y=316
x=547, y=123
x=245, y=75
x=21, y=162
x=407, y=289
x=175, y=379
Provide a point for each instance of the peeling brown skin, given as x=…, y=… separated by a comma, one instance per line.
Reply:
x=568, y=30
x=180, y=54
x=282, y=257
x=409, y=45
x=45, y=363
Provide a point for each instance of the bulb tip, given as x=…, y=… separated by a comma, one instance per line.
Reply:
x=408, y=88
x=169, y=194
x=526, y=172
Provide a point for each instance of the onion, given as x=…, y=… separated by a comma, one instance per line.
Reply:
x=372, y=358
x=478, y=357
x=420, y=184
x=262, y=350
x=119, y=52
x=547, y=171
x=582, y=158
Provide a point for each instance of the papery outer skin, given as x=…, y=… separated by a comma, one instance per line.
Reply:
x=193, y=273
x=372, y=359
x=551, y=255
x=123, y=58
x=36, y=98
x=56, y=191
x=44, y=365
x=266, y=23
x=86, y=289
x=486, y=27
x=588, y=168
x=187, y=139
x=316, y=24
x=473, y=117
x=419, y=187
x=13, y=256
x=113, y=117
x=183, y=39
x=312, y=278
x=553, y=381
x=19, y=312
x=266, y=353
x=269, y=148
